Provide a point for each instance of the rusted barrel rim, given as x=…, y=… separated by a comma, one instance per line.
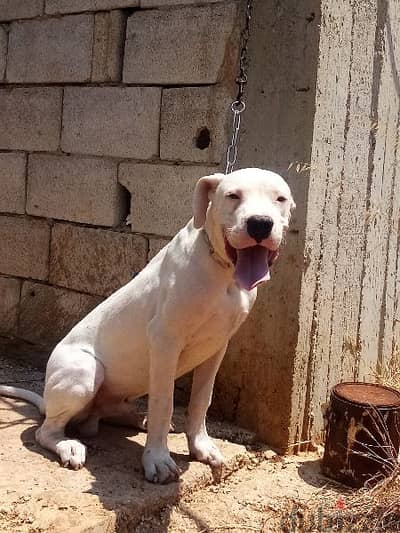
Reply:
x=339, y=394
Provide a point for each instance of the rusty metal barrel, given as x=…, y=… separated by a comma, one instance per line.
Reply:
x=362, y=433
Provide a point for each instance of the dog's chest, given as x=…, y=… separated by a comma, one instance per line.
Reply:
x=222, y=320
x=235, y=305
x=229, y=311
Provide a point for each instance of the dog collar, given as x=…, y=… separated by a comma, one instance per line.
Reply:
x=217, y=258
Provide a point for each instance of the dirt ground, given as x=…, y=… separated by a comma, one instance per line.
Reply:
x=256, y=491
x=276, y=495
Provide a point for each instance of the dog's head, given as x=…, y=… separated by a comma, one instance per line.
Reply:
x=245, y=214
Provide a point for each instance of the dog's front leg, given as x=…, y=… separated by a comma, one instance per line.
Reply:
x=165, y=349
x=200, y=445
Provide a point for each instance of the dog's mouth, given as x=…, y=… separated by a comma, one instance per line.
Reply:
x=252, y=264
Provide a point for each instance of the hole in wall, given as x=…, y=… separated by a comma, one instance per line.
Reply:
x=32, y=293
x=203, y=138
x=130, y=11
x=124, y=206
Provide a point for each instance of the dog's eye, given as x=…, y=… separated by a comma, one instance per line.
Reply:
x=233, y=196
x=281, y=199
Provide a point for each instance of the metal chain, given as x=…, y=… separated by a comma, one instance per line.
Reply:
x=238, y=105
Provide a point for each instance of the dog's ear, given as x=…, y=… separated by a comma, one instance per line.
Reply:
x=288, y=215
x=292, y=205
x=201, y=197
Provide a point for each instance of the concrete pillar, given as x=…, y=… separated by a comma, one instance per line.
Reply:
x=352, y=235
x=258, y=379
x=323, y=96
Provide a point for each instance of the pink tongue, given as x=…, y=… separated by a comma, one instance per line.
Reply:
x=252, y=266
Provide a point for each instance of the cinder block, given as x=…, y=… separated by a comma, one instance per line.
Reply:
x=3, y=52
x=77, y=189
x=161, y=195
x=51, y=50
x=190, y=45
x=30, y=118
x=108, y=49
x=9, y=297
x=114, y=121
x=164, y=3
x=20, y=9
x=24, y=247
x=74, y=6
x=194, y=124
x=47, y=313
x=12, y=182
x=155, y=245
x=94, y=260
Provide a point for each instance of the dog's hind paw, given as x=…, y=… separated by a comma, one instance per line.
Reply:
x=159, y=467
x=203, y=449
x=72, y=453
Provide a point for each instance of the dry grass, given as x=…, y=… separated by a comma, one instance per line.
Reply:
x=389, y=374
x=378, y=508
x=370, y=510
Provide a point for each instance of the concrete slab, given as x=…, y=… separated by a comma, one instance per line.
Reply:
x=37, y=495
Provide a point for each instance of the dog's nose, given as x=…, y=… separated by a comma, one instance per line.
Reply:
x=259, y=227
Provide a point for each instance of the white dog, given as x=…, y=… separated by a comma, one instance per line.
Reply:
x=178, y=314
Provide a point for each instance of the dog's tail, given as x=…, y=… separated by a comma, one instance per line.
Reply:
x=23, y=394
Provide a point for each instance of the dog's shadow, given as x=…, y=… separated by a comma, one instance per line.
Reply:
x=114, y=465
x=112, y=473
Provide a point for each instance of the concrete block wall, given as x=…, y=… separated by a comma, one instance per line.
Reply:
x=107, y=121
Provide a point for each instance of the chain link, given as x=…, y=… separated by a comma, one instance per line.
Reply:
x=238, y=105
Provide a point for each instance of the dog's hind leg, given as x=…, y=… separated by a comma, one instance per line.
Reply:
x=72, y=381
x=126, y=414
x=123, y=413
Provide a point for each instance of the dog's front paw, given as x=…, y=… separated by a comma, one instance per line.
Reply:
x=72, y=453
x=158, y=466
x=203, y=449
